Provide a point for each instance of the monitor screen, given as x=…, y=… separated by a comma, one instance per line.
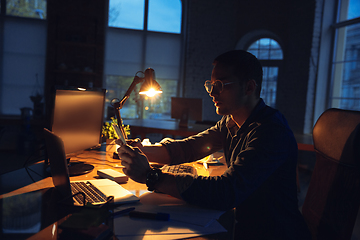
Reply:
x=186, y=109
x=78, y=118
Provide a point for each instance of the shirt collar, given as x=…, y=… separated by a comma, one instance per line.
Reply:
x=231, y=125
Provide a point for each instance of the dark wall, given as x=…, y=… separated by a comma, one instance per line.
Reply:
x=214, y=27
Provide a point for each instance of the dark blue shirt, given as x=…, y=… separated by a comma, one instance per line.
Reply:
x=260, y=180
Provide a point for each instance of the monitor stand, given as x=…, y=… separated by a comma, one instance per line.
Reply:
x=79, y=168
x=75, y=168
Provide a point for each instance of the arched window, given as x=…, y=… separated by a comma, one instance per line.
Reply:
x=270, y=54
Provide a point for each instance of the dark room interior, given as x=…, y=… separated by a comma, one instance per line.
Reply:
x=310, y=50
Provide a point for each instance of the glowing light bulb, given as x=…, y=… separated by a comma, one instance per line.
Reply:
x=151, y=92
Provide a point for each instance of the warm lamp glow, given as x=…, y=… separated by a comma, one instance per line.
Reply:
x=151, y=92
x=149, y=88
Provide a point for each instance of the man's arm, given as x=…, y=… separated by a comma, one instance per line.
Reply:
x=135, y=158
x=157, y=153
x=136, y=166
x=154, y=153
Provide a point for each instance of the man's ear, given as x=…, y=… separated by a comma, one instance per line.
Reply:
x=250, y=87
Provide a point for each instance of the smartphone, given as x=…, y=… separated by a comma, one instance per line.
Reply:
x=120, y=133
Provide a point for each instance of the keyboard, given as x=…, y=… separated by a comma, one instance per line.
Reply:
x=179, y=169
x=92, y=194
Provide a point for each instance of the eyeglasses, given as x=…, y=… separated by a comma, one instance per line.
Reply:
x=217, y=84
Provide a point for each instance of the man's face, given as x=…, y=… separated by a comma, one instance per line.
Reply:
x=232, y=97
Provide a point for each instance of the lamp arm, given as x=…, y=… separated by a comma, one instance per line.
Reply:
x=119, y=105
x=135, y=81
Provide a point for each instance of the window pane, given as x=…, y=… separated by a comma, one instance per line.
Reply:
x=123, y=52
x=165, y=16
x=254, y=45
x=276, y=54
x=274, y=44
x=264, y=54
x=275, y=50
x=26, y=8
x=163, y=55
x=25, y=49
x=269, y=84
x=264, y=43
x=127, y=14
x=116, y=87
x=346, y=78
x=266, y=48
x=354, y=9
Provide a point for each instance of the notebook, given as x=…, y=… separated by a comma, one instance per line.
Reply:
x=62, y=183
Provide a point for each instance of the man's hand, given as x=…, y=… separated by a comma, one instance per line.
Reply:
x=135, y=163
x=132, y=142
x=154, y=153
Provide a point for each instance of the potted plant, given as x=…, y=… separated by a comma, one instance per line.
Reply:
x=108, y=134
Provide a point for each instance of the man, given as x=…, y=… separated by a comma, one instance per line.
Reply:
x=260, y=152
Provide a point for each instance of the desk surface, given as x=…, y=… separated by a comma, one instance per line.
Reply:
x=35, y=178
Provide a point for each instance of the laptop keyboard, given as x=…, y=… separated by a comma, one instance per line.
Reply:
x=179, y=169
x=92, y=194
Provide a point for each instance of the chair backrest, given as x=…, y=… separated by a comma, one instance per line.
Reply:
x=333, y=198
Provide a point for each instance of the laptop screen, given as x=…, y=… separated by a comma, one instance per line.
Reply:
x=78, y=118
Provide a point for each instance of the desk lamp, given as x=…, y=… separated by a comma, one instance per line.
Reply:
x=149, y=87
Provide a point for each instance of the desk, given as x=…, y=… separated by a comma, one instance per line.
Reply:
x=305, y=142
x=19, y=182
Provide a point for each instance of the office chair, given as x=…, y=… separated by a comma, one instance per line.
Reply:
x=333, y=198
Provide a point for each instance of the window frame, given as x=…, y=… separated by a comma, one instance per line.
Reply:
x=268, y=62
x=322, y=86
x=38, y=85
x=339, y=49
x=148, y=34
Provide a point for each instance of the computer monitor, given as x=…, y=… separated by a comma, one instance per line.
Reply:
x=78, y=119
x=186, y=109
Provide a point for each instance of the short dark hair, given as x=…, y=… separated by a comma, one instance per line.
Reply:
x=246, y=66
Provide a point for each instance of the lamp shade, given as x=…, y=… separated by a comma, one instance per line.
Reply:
x=150, y=87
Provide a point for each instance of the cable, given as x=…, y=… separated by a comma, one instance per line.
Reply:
x=27, y=170
x=40, y=157
x=35, y=172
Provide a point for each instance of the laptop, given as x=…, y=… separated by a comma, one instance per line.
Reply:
x=73, y=191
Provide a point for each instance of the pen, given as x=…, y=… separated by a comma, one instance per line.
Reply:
x=123, y=212
x=153, y=216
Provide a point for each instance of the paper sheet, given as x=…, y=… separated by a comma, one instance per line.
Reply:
x=132, y=228
x=185, y=220
x=181, y=213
